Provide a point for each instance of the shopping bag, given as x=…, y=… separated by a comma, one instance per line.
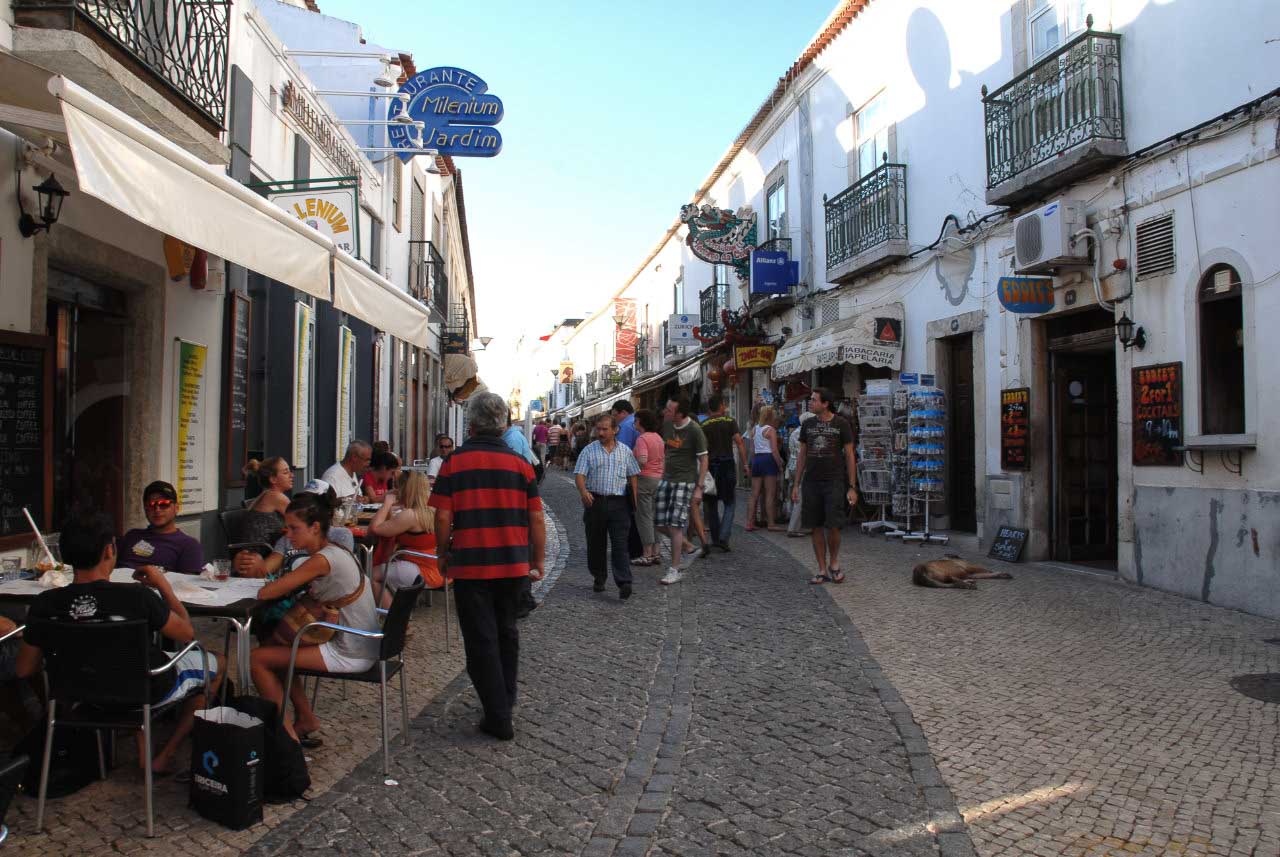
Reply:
x=226, y=767
x=286, y=777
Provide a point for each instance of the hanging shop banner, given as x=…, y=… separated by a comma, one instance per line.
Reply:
x=772, y=272
x=873, y=338
x=1026, y=295
x=457, y=111
x=566, y=372
x=1015, y=429
x=754, y=356
x=454, y=341
x=1157, y=415
x=304, y=331
x=189, y=361
x=624, y=338
x=346, y=382
x=680, y=329
x=720, y=236
x=333, y=212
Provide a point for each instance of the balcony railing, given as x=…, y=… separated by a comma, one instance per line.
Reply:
x=1070, y=97
x=182, y=42
x=866, y=214
x=427, y=280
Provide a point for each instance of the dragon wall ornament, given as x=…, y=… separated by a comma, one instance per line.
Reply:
x=720, y=236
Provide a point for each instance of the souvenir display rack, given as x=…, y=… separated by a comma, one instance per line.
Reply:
x=876, y=451
x=926, y=455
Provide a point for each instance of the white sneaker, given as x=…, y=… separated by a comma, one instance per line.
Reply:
x=673, y=576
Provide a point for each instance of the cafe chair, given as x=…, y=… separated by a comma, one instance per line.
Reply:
x=100, y=673
x=233, y=527
x=410, y=554
x=11, y=773
x=395, y=625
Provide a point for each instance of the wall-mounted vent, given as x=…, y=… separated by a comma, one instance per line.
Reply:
x=1156, y=256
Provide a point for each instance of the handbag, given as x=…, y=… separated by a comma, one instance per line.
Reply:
x=308, y=609
x=708, y=485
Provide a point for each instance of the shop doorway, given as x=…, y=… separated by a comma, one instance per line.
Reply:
x=88, y=325
x=962, y=457
x=1083, y=367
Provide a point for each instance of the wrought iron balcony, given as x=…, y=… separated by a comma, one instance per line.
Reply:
x=642, y=354
x=427, y=280
x=867, y=223
x=181, y=43
x=1057, y=121
x=711, y=300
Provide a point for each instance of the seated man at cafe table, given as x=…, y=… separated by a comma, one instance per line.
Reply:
x=89, y=547
x=345, y=475
x=161, y=543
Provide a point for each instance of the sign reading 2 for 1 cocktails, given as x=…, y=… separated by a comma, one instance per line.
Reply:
x=457, y=111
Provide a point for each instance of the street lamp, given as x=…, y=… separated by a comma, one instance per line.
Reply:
x=51, y=195
x=619, y=318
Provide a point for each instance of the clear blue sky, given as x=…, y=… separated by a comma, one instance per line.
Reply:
x=614, y=114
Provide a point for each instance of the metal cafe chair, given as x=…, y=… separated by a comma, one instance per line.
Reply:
x=105, y=668
x=412, y=554
x=391, y=639
x=13, y=769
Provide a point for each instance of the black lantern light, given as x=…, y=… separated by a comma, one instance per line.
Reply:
x=51, y=195
x=1130, y=335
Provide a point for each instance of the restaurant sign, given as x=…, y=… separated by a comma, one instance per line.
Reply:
x=721, y=236
x=1026, y=295
x=457, y=111
x=190, y=365
x=331, y=212
x=754, y=356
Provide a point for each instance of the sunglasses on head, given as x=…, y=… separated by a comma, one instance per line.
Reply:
x=159, y=503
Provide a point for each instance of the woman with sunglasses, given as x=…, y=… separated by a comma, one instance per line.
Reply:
x=161, y=543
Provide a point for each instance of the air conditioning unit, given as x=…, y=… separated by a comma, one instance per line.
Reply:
x=1042, y=239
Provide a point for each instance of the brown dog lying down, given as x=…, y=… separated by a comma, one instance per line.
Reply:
x=952, y=572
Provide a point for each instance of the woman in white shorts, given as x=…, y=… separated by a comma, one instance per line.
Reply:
x=332, y=576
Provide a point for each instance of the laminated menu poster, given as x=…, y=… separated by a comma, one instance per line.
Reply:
x=190, y=359
x=1015, y=428
x=26, y=415
x=1157, y=415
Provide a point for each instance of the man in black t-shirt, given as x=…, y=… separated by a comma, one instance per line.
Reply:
x=88, y=544
x=827, y=472
x=722, y=436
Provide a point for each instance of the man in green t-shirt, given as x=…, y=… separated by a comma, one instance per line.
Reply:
x=682, y=473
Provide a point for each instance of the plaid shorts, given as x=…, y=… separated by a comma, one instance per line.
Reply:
x=671, y=504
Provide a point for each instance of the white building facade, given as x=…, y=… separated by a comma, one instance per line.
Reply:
x=899, y=155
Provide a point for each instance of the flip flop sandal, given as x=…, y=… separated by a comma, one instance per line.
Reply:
x=837, y=576
x=819, y=578
x=309, y=743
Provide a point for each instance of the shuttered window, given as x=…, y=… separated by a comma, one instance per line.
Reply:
x=1155, y=248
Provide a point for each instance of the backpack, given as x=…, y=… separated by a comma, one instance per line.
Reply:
x=74, y=763
x=286, y=776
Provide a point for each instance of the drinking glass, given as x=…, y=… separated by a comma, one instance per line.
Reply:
x=221, y=569
x=10, y=568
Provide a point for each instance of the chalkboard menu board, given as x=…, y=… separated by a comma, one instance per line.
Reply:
x=236, y=442
x=1157, y=415
x=26, y=414
x=1015, y=428
x=1008, y=544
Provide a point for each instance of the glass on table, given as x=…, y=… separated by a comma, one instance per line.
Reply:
x=10, y=568
x=222, y=569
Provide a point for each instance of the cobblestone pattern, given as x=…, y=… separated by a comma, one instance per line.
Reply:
x=730, y=714
x=1072, y=714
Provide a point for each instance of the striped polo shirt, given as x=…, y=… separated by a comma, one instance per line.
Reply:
x=490, y=492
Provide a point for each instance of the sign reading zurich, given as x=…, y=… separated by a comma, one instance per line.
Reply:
x=458, y=112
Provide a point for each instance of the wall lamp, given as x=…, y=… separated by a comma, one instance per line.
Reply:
x=1130, y=335
x=51, y=195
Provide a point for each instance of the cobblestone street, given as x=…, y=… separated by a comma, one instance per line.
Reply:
x=736, y=713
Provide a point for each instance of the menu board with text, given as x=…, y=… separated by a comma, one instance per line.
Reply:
x=1015, y=429
x=1157, y=415
x=26, y=414
x=239, y=327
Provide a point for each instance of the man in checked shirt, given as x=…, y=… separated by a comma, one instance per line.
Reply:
x=605, y=474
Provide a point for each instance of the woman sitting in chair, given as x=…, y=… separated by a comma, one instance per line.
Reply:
x=333, y=581
x=408, y=525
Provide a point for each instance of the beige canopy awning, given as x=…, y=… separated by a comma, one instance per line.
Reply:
x=359, y=291
x=873, y=337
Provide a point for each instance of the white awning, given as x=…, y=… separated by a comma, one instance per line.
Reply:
x=156, y=182
x=873, y=337
x=369, y=297
x=597, y=407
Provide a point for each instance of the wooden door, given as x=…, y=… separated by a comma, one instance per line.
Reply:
x=962, y=457
x=1084, y=461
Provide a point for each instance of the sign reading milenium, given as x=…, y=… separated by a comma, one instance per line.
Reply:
x=457, y=111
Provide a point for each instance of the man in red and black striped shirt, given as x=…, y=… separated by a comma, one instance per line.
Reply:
x=491, y=536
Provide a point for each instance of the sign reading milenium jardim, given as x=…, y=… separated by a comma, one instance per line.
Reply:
x=458, y=112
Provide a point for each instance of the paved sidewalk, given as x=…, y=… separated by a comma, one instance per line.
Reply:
x=735, y=714
x=1072, y=714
